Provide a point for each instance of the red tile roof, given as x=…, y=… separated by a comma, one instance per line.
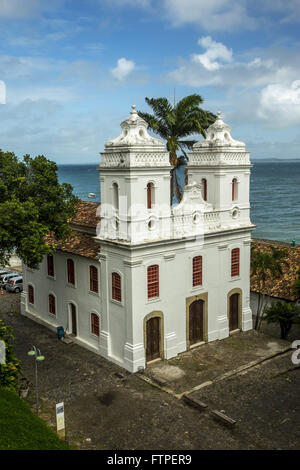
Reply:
x=86, y=214
x=81, y=243
x=281, y=288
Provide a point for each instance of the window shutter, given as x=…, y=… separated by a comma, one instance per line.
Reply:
x=95, y=324
x=50, y=263
x=235, y=262
x=116, y=287
x=153, y=281
x=71, y=273
x=197, y=271
x=93, y=279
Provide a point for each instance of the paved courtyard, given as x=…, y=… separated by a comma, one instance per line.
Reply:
x=108, y=408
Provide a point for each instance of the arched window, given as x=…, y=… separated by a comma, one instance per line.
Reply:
x=93, y=279
x=52, y=308
x=116, y=287
x=234, y=189
x=153, y=281
x=30, y=294
x=235, y=262
x=115, y=198
x=50, y=265
x=95, y=329
x=150, y=195
x=204, y=189
x=71, y=271
x=197, y=271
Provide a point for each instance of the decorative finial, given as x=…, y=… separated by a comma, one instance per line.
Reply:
x=219, y=113
x=133, y=109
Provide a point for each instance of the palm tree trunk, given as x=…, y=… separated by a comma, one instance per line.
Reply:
x=173, y=162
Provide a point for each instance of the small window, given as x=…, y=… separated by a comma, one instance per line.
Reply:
x=153, y=281
x=204, y=189
x=50, y=265
x=94, y=279
x=30, y=294
x=71, y=271
x=234, y=189
x=95, y=324
x=116, y=287
x=150, y=195
x=52, y=308
x=197, y=271
x=235, y=262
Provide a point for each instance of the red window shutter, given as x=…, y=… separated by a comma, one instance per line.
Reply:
x=30, y=294
x=116, y=287
x=149, y=196
x=52, y=304
x=197, y=271
x=204, y=186
x=93, y=279
x=71, y=273
x=50, y=263
x=153, y=281
x=95, y=324
x=235, y=262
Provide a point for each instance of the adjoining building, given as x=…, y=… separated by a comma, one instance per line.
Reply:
x=278, y=288
x=149, y=280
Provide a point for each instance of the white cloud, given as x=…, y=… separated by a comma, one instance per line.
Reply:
x=211, y=15
x=280, y=104
x=123, y=69
x=227, y=72
x=214, y=50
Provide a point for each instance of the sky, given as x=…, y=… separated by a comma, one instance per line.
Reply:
x=71, y=69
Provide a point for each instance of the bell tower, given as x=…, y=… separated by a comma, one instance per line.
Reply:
x=135, y=185
x=222, y=166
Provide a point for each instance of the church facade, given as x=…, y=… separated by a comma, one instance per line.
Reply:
x=141, y=280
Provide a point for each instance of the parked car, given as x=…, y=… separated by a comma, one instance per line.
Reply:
x=4, y=279
x=3, y=272
x=15, y=284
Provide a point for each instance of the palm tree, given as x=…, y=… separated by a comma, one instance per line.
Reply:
x=265, y=265
x=176, y=122
x=283, y=313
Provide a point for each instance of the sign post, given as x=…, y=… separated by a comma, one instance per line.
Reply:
x=60, y=420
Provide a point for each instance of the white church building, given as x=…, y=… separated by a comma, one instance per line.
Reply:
x=149, y=281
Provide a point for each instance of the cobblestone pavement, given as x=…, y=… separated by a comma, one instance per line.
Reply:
x=108, y=408
x=211, y=360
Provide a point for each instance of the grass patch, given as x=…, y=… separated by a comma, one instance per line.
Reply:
x=20, y=429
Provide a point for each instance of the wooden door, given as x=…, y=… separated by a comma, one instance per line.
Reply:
x=196, y=319
x=74, y=320
x=234, y=312
x=153, y=343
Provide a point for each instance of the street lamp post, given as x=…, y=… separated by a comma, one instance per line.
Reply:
x=38, y=357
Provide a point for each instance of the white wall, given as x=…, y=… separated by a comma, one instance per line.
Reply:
x=85, y=301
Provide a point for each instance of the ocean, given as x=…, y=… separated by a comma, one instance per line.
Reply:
x=274, y=195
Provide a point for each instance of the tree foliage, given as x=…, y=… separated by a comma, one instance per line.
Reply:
x=9, y=372
x=266, y=265
x=176, y=122
x=32, y=204
x=283, y=313
x=296, y=286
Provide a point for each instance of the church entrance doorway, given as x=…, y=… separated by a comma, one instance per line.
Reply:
x=153, y=339
x=234, y=312
x=196, y=322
